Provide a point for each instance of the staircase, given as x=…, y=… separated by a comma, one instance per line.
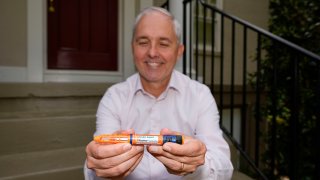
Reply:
x=44, y=129
x=235, y=159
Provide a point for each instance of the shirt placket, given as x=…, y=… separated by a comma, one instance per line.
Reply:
x=154, y=129
x=154, y=119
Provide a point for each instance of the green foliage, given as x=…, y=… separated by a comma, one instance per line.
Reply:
x=297, y=21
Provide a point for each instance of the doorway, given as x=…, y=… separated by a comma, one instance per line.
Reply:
x=82, y=34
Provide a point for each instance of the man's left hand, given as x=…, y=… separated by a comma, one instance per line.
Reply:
x=180, y=159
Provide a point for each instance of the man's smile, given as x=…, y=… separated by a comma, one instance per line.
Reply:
x=154, y=64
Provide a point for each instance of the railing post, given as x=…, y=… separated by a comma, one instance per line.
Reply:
x=274, y=95
x=213, y=15
x=184, y=39
x=317, y=93
x=197, y=39
x=244, y=91
x=258, y=102
x=233, y=57
x=221, y=68
x=294, y=121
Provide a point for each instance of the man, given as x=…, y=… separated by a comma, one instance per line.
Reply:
x=159, y=100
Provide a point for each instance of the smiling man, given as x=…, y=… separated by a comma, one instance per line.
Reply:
x=156, y=49
x=159, y=100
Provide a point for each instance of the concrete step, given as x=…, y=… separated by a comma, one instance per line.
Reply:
x=59, y=164
x=235, y=159
x=24, y=132
x=39, y=104
x=237, y=175
x=51, y=165
x=15, y=97
x=44, y=128
x=49, y=145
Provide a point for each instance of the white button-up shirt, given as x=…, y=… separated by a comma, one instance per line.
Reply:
x=186, y=106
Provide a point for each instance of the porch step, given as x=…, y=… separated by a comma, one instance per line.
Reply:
x=235, y=159
x=55, y=164
x=45, y=144
x=45, y=131
x=237, y=175
x=44, y=128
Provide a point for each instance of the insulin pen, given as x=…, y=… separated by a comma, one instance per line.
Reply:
x=141, y=139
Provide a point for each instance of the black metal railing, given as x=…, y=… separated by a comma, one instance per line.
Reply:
x=224, y=51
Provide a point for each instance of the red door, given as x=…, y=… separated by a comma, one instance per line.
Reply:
x=82, y=34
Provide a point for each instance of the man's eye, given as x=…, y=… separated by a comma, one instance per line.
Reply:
x=164, y=44
x=143, y=43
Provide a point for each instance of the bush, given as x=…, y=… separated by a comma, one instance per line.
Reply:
x=297, y=21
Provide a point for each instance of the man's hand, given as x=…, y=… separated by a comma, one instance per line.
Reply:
x=113, y=160
x=180, y=159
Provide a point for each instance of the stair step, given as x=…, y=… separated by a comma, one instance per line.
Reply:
x=60, y=174
x=59, y=164
x=38, y=104
x=16, y=115
x=42, y=133
x=44, y=128
x=237, y=175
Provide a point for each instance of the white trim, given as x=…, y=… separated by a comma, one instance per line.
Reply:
x=36, y=70
x=127, y=22
x=176, y=8
x=92, y=76
x=82, y=76
x=145, y=4
x=13, y=74
x=35, y=40
x=120, y=39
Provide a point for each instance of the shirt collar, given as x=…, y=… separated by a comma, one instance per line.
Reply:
x=173, y=84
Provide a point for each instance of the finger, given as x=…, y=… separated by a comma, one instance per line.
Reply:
x=128, y=131
x=120, y=170
x=114, y=161
x=135, y=165
x=169, y=163
x=191, y=148
x=176, y=167
x=158, y=151
x=166, y=131
x=99, y=151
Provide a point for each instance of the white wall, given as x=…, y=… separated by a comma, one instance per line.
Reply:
x=23, y=40
x=23, y=59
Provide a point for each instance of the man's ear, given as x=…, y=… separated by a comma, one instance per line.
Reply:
x=132, y=50
x=180, y=51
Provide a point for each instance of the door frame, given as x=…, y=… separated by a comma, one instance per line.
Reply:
x=37, y=44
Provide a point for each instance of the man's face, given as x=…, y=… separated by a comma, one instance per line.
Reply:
x=155, y=48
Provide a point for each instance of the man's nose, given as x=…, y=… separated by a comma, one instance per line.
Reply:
x=153, y=51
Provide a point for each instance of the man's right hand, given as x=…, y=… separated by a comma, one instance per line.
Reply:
x=113, y=160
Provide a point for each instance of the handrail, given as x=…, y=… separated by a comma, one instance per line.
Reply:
x=263, y=31
x=229, y=135
x=198, y=67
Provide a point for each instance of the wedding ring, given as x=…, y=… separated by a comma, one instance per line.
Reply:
x=182, y=166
